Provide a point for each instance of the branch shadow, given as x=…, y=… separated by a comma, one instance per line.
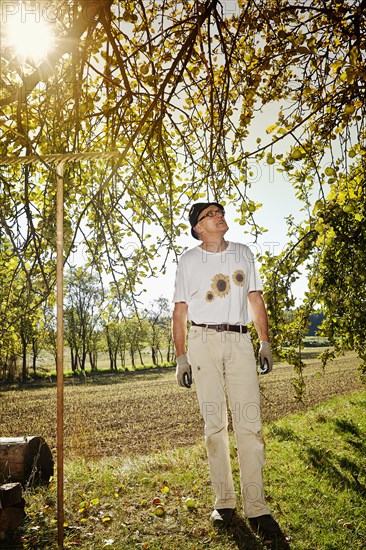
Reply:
x=245, y=539
x=341, y=470
x=284, y=434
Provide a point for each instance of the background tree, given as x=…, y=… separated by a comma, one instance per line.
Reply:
x=26, y=334
x=83, y=303
x=136, y=334
x=9, y=340
x=114, y=341
x=50, y=331
x=159, y=318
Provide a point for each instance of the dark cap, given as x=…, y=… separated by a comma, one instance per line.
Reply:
x=195, y=212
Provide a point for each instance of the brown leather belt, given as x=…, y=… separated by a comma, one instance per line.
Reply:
x=223, y=327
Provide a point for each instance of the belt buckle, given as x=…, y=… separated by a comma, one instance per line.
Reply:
x=221, y=328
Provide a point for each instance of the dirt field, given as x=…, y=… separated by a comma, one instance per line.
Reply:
x=140, y=413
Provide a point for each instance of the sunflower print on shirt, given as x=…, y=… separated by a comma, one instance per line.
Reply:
x=220, y=286
x=210, y=296
x=238, y=277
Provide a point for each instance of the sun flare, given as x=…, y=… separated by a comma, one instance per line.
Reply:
x=29, y=40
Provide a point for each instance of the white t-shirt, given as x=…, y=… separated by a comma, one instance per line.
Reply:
x=215, y=285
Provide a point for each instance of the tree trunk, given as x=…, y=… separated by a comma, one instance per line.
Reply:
x=170, y=353
x=111, y=354
x=73, y=360
x=24, y=359
x=93, y=358
x=77, y=361
x=115, y=355
x=35, y=355
x=82, y=361
x=111, y=357
x=112, y=361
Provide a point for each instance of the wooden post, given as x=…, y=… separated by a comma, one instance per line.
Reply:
x=60, y=351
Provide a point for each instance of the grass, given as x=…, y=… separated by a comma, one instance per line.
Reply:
x=314, y=479
x=320, y=491
x=132, y=437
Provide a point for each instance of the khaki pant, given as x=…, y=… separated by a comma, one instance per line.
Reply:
x=225, y=361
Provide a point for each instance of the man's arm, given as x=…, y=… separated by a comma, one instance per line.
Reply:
x=260, y=317
x=183, y=371
x=180, y=314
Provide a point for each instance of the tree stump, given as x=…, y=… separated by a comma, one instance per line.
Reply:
x=25, y=459
x=11, y=508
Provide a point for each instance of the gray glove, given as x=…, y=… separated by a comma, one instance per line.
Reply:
x=265, y=358
x=183, y=372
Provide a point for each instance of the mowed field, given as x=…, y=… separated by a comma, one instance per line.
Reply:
x=139, y=413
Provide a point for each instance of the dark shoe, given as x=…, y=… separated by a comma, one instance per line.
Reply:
x=222, y=517
x=266, y=527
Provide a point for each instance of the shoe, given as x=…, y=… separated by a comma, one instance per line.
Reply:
x=222, y=517
x=265, y=526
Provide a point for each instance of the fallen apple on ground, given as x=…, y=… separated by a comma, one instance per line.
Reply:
x=159, y=510
x=190, y=502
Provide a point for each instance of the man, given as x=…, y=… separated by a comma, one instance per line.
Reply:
x=218, y=289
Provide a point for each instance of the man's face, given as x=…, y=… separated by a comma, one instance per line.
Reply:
x=211, y=221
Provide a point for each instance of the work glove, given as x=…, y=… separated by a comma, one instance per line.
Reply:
x=183, y=372
x=265, y=358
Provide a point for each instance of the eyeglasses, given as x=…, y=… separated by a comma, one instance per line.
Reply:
x=212, y=214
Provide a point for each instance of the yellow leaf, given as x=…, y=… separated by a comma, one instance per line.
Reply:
x=271, y=128
x=354, y=55
x=350, y=75
x=319, y=227
x=335, y=66
x=349, y=109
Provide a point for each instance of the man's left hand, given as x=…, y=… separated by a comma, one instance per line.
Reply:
x=183, y=372
x=265, y=358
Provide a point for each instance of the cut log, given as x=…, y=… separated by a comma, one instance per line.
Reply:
x=11, y=518
x=25, y=459
x=10, y=494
